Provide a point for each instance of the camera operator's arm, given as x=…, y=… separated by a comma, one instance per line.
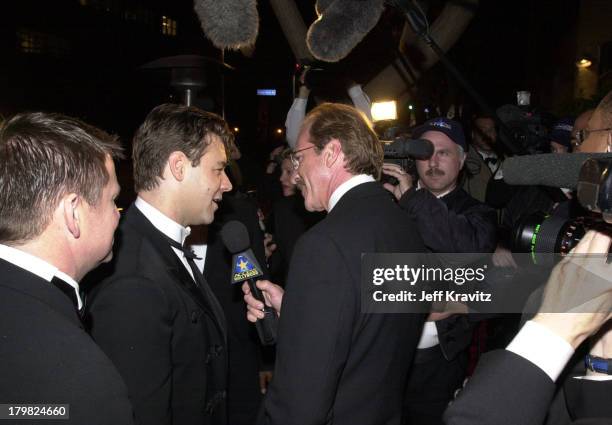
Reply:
x=360, y=99
x=468, y=228
x=516, y=385
x=295, y=116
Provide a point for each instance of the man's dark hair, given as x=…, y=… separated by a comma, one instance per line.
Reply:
x=170, y=128
x=42, y=158
x=360, y=145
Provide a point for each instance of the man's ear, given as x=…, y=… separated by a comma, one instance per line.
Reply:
x=178, y=162
x=71, y=205
x=332, y=152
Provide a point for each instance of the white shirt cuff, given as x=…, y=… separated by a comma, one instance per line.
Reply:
x=595, y=377
x=543, y=348
x=429, y=336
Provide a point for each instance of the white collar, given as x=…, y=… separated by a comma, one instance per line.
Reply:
x=346, y=186
x=162, y=222
x=37, y=266
x=437, y=196
x=485, y=155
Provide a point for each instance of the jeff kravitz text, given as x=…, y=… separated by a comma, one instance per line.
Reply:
x=429, y=276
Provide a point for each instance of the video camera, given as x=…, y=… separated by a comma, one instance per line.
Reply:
x=541, y=234
x=398, y=147
x=527, y=129
x=403, y=151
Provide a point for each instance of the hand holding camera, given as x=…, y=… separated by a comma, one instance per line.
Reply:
x=404, y=179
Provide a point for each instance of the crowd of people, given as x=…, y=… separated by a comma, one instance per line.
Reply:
x=133, y=320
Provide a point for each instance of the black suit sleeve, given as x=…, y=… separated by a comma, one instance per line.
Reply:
x=506, y=389
x=137, y=340
x=318, y=313
x=471, y=230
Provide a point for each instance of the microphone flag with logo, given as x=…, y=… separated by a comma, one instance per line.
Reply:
x=245, y=266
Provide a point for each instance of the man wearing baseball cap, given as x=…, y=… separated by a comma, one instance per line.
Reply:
x=561, y=135
x=450, y=221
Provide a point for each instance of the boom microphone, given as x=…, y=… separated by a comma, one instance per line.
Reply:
x=229, y=24
x=549, y=169
x=245, y=268
x=342, y=24
x=403, y=147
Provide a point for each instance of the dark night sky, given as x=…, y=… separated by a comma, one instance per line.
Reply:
x=508, y=46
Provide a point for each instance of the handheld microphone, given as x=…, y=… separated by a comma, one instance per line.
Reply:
x=245, y=268
x=549, y=169
x=403, y=147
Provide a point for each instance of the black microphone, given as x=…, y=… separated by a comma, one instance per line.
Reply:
x=245, y=268
x=549, y=169
x=403, y=147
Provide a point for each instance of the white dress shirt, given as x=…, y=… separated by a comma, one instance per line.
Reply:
x=38, y=267
x=346, y=186
x=168, y=227
x=496, y=169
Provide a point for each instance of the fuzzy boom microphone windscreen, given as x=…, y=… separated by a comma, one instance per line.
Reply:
x=342, y=24
x=229, y=24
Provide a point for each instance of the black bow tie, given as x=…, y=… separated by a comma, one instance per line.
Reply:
x=490, y=160
x=189, y=254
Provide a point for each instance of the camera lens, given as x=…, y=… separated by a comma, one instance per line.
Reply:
x=541, y=235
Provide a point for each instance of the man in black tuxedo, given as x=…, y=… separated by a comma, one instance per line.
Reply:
x=154, y=314
x=57, y=219
x=335, y=364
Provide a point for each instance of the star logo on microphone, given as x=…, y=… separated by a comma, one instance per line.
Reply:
x=245, y=268
x=243, y=264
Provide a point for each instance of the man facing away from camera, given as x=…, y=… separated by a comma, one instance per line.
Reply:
x=57, y=219
x=334, y=363
x=154, y=314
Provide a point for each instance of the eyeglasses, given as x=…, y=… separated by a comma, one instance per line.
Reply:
x=581, y=135
x=295, y=161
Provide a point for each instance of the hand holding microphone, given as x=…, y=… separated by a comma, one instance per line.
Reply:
x=272, y=297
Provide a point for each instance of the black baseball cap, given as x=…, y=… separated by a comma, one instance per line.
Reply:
x=450, y=128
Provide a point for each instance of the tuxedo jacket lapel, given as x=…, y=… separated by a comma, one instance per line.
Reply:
x=204, y=297
x=28, y=283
